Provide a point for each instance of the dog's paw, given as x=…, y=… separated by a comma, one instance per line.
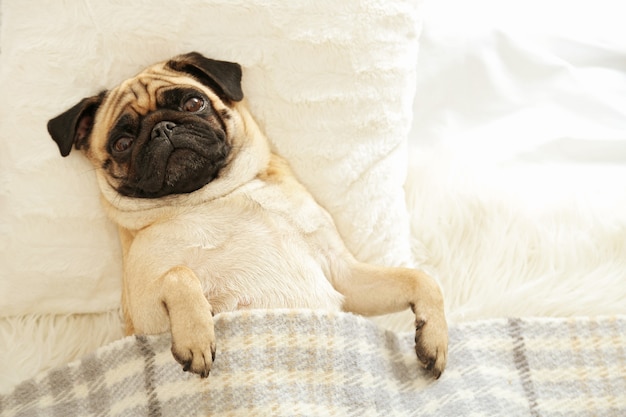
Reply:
x=193, y=344
x=431, y=344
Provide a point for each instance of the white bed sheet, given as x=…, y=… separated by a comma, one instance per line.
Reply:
x=531, y=95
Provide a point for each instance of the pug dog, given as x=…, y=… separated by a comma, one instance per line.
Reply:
x=211, y=220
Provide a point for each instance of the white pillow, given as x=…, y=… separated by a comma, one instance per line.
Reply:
x=331, y=83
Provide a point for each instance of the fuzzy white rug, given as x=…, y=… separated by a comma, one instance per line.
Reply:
x=516, y=242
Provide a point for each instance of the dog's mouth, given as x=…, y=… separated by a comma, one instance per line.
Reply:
x=175, y=159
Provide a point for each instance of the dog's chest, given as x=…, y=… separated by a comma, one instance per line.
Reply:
x=258, y=248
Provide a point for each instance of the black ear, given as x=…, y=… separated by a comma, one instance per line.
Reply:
x=73, y=126
x=222, y=77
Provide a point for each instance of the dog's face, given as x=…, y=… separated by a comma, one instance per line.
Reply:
x=168, y=130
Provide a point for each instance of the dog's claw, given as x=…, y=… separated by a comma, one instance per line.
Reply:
x=193, y=341
x=195, y=362
x=197, y=353
x=431, y=346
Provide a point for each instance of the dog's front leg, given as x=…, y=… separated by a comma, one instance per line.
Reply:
x=373, y=290
x=179, y=296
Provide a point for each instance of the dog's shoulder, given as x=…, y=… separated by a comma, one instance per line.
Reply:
x=278, y=171
x=279, y=191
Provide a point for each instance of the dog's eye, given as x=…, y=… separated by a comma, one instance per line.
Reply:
x=193, y=105
x=122, y=144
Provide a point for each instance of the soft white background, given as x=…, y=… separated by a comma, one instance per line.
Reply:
x=534, y=88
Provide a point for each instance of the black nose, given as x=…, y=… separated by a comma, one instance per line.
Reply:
x=163, y=130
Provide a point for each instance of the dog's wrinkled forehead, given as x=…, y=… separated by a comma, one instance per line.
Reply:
x=144, y=93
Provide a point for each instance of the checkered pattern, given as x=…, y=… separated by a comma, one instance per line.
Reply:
x=290, y=363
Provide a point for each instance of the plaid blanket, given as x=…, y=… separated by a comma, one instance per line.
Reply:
x=297, y=363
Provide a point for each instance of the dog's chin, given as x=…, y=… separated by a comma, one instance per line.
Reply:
x=184, y=173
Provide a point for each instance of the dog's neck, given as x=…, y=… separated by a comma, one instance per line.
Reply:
x=248, y=161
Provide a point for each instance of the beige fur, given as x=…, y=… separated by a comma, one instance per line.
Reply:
x=251, y=238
